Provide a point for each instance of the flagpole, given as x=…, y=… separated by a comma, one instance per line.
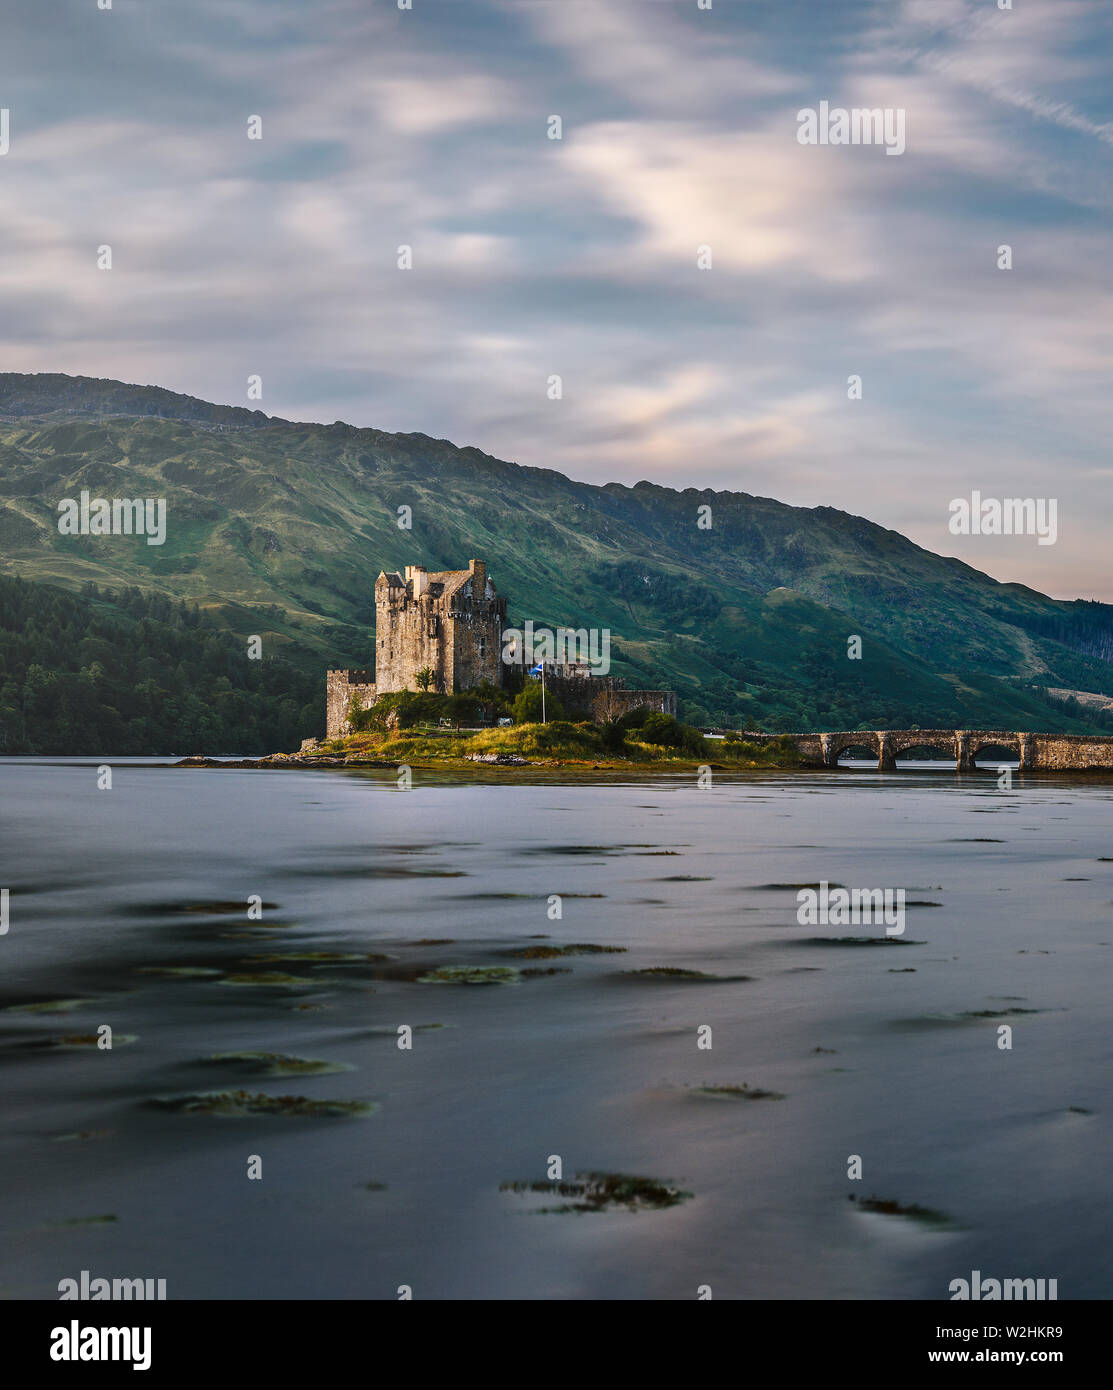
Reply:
x=543, y=690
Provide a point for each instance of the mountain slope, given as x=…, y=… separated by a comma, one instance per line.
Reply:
x=280, y=528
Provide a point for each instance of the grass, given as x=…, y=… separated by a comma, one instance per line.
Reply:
x=555, y=744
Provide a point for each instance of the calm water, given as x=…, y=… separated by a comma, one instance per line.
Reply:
x=595, y=1065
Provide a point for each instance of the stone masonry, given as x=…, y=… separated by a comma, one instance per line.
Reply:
x=451, y=622
x=446, y=621
x=1033, y=752
x=606, y=697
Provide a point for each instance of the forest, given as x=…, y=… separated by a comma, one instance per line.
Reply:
x=129, y=672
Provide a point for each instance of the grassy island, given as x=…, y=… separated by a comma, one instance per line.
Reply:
x=489, y=728
x=555, y=744
x=455, y=731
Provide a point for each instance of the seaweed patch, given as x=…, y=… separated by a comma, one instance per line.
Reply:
x=267, y=977
x=887, y=1207
x=280, y=1063
x=470, y=975
x=47, y=1006
x=258, y=1103
x=742, y=1092
x=70, y=1040
x=859, y=941
x=578, y=948
x=178, y=972
x=672, y=972
x=604, y=1192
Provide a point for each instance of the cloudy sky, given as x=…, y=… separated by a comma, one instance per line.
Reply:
x=577, y=257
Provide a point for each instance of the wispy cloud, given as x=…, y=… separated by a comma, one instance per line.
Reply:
x=578, y=257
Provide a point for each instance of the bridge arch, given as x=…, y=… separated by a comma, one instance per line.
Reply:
x=990, y=750
x=925, y=750
x=859, y=750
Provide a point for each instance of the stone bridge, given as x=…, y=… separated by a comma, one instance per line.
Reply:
x=1034, y=752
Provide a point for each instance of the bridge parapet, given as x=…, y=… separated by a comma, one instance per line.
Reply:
x=1033, y=752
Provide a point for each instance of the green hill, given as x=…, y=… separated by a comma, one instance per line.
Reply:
x=280, y=528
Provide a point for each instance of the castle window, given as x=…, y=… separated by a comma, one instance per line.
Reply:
x=482, y=647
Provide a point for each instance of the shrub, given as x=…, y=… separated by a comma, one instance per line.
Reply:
x=663, y=731
x=411, y=707
x=634, y=718
x=613, y=736
x=740, y=748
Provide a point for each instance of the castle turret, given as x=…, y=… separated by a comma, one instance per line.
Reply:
x=418, y=576
x=447, y=622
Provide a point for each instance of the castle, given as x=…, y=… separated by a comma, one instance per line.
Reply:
x=446, y=626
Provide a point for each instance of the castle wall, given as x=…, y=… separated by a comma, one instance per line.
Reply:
x=612, y=704
x=477, y=639
x=410, y=634
x=340, y=686
x=606, y=697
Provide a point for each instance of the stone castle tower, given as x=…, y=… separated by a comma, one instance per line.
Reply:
x=447, y=621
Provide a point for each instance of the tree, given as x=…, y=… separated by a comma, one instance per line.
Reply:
x=425, y=678
x=527, y=705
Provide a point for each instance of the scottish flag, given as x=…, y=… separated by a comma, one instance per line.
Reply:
x=538, y=669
